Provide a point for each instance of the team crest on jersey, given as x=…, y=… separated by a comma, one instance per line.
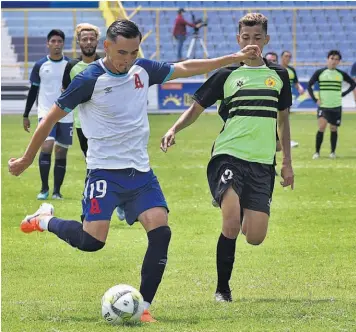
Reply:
x=270, y=82
x=138, y=83
x=239, y=84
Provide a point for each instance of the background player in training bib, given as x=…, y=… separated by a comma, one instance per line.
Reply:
x=241, y=172
x=46, y=81
x=112, y=98
x=330, y=99
x=88, y=38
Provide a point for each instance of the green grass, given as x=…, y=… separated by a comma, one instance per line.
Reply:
x=302, y=278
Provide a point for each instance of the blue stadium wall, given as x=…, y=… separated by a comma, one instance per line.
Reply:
x=49, y=4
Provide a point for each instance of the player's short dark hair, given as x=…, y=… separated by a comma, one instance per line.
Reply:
x=334, y=52
x=56, y=32
x=124, y=28
x=272, y=53
x=286, y=52
x=253, y=19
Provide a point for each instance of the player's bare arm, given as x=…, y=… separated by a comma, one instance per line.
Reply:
x=18, y=165
x=201, y=66
x=185, y=120
x=284, y=132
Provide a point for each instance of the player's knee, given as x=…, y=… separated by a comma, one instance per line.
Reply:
x=61, y=152
x=231, y=230
x=255, y=240
x=90, y=244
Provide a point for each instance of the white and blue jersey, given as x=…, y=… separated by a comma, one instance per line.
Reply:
x=48, y=75
x=113, y=112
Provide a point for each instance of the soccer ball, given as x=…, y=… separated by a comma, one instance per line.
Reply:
x=121, y=304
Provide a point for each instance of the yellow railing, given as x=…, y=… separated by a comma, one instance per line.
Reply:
x=114, y=9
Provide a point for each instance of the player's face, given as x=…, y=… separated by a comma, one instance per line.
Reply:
x=88, y=42
x=286, y=58
x=333, y=61
x=55, y=45
x=122, y=53
x=271, y=58
x=252, y=36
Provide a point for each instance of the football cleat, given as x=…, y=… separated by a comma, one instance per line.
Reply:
x=31, y=223
x=147, y=317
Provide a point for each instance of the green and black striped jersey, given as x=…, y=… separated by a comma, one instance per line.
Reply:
x=250, y=99
x=330, y=84
x=293, y=78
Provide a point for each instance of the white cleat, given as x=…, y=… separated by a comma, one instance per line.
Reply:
x=294, y=144
x=332, y=155
x=45, y=208
x=316, y=155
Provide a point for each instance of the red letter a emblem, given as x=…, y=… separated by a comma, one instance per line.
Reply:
x=94, y=206
x=138, y=83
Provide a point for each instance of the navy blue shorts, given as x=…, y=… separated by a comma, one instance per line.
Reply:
x=134, y=191
x=62, y=132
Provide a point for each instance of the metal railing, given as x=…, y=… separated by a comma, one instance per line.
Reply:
x=117, y=10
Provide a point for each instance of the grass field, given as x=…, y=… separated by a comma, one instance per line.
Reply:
x=302, y=278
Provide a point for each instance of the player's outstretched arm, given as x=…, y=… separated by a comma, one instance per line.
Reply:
x=284, y=132
x=18, y=165
x=185, y=120
x=190, y=68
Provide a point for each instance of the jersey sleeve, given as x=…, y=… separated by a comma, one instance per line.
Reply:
x=79, y=91
x=158, y=72
x=285, y=95
x=295, y=79
x=213, y=89
x=312, y=81
x=35, y=78
x=66, y=76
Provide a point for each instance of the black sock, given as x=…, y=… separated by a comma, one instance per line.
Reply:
x=154, y=262
x=44, y=163
x=333, y=141
x=225, y=257
x=72, y=232
x=319, y=141
x=59, y=173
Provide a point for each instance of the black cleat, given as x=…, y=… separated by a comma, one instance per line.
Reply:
x=223, y=296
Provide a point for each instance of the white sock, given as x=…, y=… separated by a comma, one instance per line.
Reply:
x=146, y=305
x=44, y=222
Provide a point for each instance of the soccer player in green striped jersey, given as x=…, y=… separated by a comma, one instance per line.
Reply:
x=330, y=99
x=241, y=171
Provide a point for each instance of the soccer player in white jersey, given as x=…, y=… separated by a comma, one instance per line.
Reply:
x=112, y=98
x=46, y=82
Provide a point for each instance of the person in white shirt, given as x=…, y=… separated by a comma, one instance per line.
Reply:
x=112, y=98
x=46, y=83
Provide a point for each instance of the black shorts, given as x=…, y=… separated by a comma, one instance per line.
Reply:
x=332, y=115
x=253, y=182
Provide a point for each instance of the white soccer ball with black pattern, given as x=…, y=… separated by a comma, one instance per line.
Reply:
x=121, y=304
